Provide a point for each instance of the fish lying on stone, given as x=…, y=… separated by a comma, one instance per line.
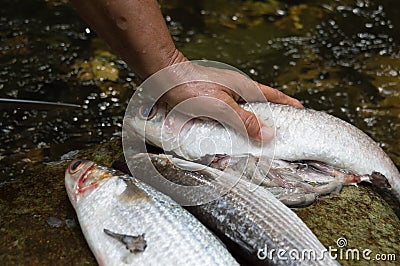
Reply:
x=254, y=222
x=126, y=222
x=300, y=135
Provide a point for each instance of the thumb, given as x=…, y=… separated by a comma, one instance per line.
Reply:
x=255, y=128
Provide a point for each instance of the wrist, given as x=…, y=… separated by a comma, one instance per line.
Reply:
x=175, y=57
x=159, y=60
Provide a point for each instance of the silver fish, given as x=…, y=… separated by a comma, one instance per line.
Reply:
x=126, y=222
x=255, y=221
x=300, y=134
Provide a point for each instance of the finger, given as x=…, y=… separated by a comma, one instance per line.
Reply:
x=276, y=96
x=224, y=109
x=255, y=128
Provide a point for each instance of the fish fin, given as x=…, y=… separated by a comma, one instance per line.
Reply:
x=133, y=193
x=329, y=188
x=132, y=243
x=186, y=165
x=192, y=166
x=135, y=243
x=297, y=200
x=112, y=234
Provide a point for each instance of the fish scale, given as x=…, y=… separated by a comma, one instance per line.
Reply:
x=173, y=236
x=250, y=219
x=300, y=134
x=328, y=139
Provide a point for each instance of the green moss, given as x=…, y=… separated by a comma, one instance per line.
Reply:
x=361, y=216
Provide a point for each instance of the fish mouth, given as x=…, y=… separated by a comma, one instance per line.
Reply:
x=74, y=176
x=80, y=187
x=76, y=187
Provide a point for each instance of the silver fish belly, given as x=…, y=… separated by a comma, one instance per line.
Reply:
x=126, y=222
x=254, y=220
x=300, y=134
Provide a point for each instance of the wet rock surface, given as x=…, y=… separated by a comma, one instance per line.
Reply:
x=39, y=225
x=357, y=218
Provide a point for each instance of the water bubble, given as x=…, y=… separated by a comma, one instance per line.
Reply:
x=253, y=71
x=281, y=12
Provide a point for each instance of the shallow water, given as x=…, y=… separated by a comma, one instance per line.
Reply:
x=337, y=56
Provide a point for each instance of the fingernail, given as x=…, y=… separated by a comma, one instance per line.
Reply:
x=267, y=134
x=298, y=104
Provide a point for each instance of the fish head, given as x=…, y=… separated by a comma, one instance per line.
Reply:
x=82, y=177
x=160, y=127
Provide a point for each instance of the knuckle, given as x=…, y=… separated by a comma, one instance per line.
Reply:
x=279, y=96
x=251, y=122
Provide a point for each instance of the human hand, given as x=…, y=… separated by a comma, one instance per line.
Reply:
x=214, y=91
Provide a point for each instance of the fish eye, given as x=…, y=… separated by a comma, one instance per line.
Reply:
x=75, y=166
x=147, y=111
